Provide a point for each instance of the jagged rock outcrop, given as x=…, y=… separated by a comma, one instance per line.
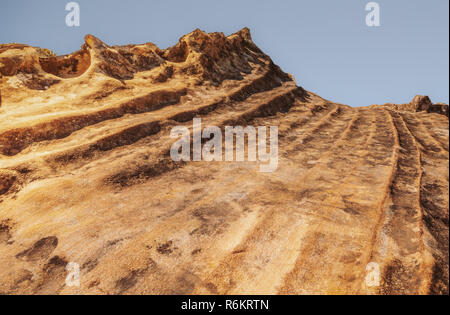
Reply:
x=419, y=103
x=86, y=178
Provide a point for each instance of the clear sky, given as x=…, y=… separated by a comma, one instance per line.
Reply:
x=325, y=44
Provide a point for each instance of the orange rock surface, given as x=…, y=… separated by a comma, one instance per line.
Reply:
x=86, y=177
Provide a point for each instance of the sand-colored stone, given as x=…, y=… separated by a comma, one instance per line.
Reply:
x=85, y=177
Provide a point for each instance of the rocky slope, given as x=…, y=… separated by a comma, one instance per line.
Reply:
x=86, y=177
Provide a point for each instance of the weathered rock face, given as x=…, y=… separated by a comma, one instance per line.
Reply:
x=439, y=108
x=86, y=178
x=421, y=103
x=418, y=104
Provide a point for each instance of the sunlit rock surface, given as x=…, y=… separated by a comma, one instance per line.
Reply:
x=86, y=177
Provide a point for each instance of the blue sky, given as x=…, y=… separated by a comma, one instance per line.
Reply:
x=325, y=44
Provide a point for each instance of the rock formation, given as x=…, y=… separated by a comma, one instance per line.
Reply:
x=418, y=104
x=86, y=178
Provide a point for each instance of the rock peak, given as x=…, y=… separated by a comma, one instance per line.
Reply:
x=245, y=33
x=93, y=42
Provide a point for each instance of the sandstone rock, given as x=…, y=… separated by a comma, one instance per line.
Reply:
x=439, y=108
x=86, y=178
x=421, y=103
x=418, y=104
